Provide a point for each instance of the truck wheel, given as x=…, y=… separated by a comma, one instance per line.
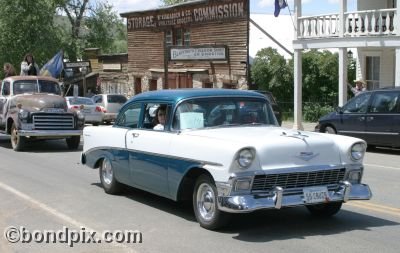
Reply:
x=107, y=177
x=73, y=142
x=325, y=210
x=205, y=204
x=17, y=142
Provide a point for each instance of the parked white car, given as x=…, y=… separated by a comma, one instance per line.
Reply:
x=93, y=113
x=224, y=150
x=111, y=104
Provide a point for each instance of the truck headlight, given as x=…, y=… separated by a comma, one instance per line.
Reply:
x=23, y=114
x=80, y=115
x=357, y=151
x=245, y=157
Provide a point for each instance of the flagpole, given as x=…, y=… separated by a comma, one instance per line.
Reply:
x=272, y=38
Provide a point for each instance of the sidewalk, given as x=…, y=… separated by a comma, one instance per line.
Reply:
x=308, y=126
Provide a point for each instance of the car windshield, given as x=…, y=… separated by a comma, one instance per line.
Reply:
x=119, y=99
x=80, y=101
x=32, y=86
x=222, y=112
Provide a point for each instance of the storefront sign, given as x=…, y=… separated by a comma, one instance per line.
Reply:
x=189, y=14
x=199, y=53
x=78, y=64
x=112, y=66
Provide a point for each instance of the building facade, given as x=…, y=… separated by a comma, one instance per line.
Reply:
x=372, y=31
x=197, y=44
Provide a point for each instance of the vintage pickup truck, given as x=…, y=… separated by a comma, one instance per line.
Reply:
x=31, y=108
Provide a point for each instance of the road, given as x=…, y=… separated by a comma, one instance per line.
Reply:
x=46, y=188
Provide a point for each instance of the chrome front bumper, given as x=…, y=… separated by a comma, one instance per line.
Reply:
x=249, y=203
x=50, y=133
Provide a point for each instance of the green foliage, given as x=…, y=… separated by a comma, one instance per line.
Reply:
x=27, y=26
x=313, y=111
x=171, y=2
x=99, y=33
x=270, y=71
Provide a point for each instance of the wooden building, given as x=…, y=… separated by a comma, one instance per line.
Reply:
x=197, y=44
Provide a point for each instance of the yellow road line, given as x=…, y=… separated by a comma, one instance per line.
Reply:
x=376, y=208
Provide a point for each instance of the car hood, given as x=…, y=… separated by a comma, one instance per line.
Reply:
x=39, y=102
x=278, y=147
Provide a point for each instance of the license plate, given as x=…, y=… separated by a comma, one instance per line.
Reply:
x=315, y=194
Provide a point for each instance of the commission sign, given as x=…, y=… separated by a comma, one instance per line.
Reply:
x=213, y=11
x=199, y=53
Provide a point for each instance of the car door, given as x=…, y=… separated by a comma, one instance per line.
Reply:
x=353, y=116
x=382, y=120
x=4, y=95
x=149, y=157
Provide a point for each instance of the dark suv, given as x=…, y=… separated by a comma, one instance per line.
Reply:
x=275, y=107
x=372, y=115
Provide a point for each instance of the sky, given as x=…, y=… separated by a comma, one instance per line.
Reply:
x=310, y=7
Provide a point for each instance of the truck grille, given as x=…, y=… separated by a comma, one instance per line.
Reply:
x=290, y=181
x=53, y=121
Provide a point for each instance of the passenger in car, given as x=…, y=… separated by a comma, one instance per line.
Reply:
x=360, y=87
x=29, y=66
x=159, y=119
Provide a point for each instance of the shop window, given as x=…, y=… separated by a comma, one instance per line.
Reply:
x=178, y=37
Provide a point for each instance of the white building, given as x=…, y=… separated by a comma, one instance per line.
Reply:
x=373, y=30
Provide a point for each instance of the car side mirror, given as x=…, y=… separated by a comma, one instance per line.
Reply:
x=338, y=109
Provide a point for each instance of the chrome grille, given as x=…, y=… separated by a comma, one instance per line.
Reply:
x=291, y=181
x=53, y=121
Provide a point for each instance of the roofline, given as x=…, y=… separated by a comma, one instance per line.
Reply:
x=162, y=8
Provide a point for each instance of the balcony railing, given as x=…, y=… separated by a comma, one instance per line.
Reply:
x=358, y=23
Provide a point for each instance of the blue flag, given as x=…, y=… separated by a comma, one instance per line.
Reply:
x=54, y=66
x=279, y=4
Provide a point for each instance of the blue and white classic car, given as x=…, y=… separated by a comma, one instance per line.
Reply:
x=223, y=149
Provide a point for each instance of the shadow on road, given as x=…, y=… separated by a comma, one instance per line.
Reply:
x=384, y=150
x=267, y=225
x=40, y=146
x=182, y=209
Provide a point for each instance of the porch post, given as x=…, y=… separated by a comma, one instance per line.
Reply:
x=397, y=68
x=342, y=76
x=342, y=21
x=298, y=85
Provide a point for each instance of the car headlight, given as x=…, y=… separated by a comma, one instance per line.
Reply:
x=23, y=114
x=357, y=151
x=245, y=157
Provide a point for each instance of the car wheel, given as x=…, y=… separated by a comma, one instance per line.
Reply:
x=325, y=210
x=205, y=204
x=73, y=142
x=107, y=177
x=17, y=141
x=328, y=130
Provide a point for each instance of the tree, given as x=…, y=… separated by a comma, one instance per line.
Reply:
x=27, y=26
x=171, y=2
x=92, y=24
x=270, y=71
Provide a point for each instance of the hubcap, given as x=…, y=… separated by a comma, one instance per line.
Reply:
x=107, y=172
x=206, y=201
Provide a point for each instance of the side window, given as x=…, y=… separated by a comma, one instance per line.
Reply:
x=129, y=117
x=97, y=99
x=358, y=104
x=385, y=102
x=156, y=115
x=5, y=89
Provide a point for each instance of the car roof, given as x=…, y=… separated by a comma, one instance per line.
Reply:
x=176, y=95
x=19, y=78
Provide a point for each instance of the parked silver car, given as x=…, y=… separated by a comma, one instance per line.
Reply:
x=92, y=112
x=111, y=104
